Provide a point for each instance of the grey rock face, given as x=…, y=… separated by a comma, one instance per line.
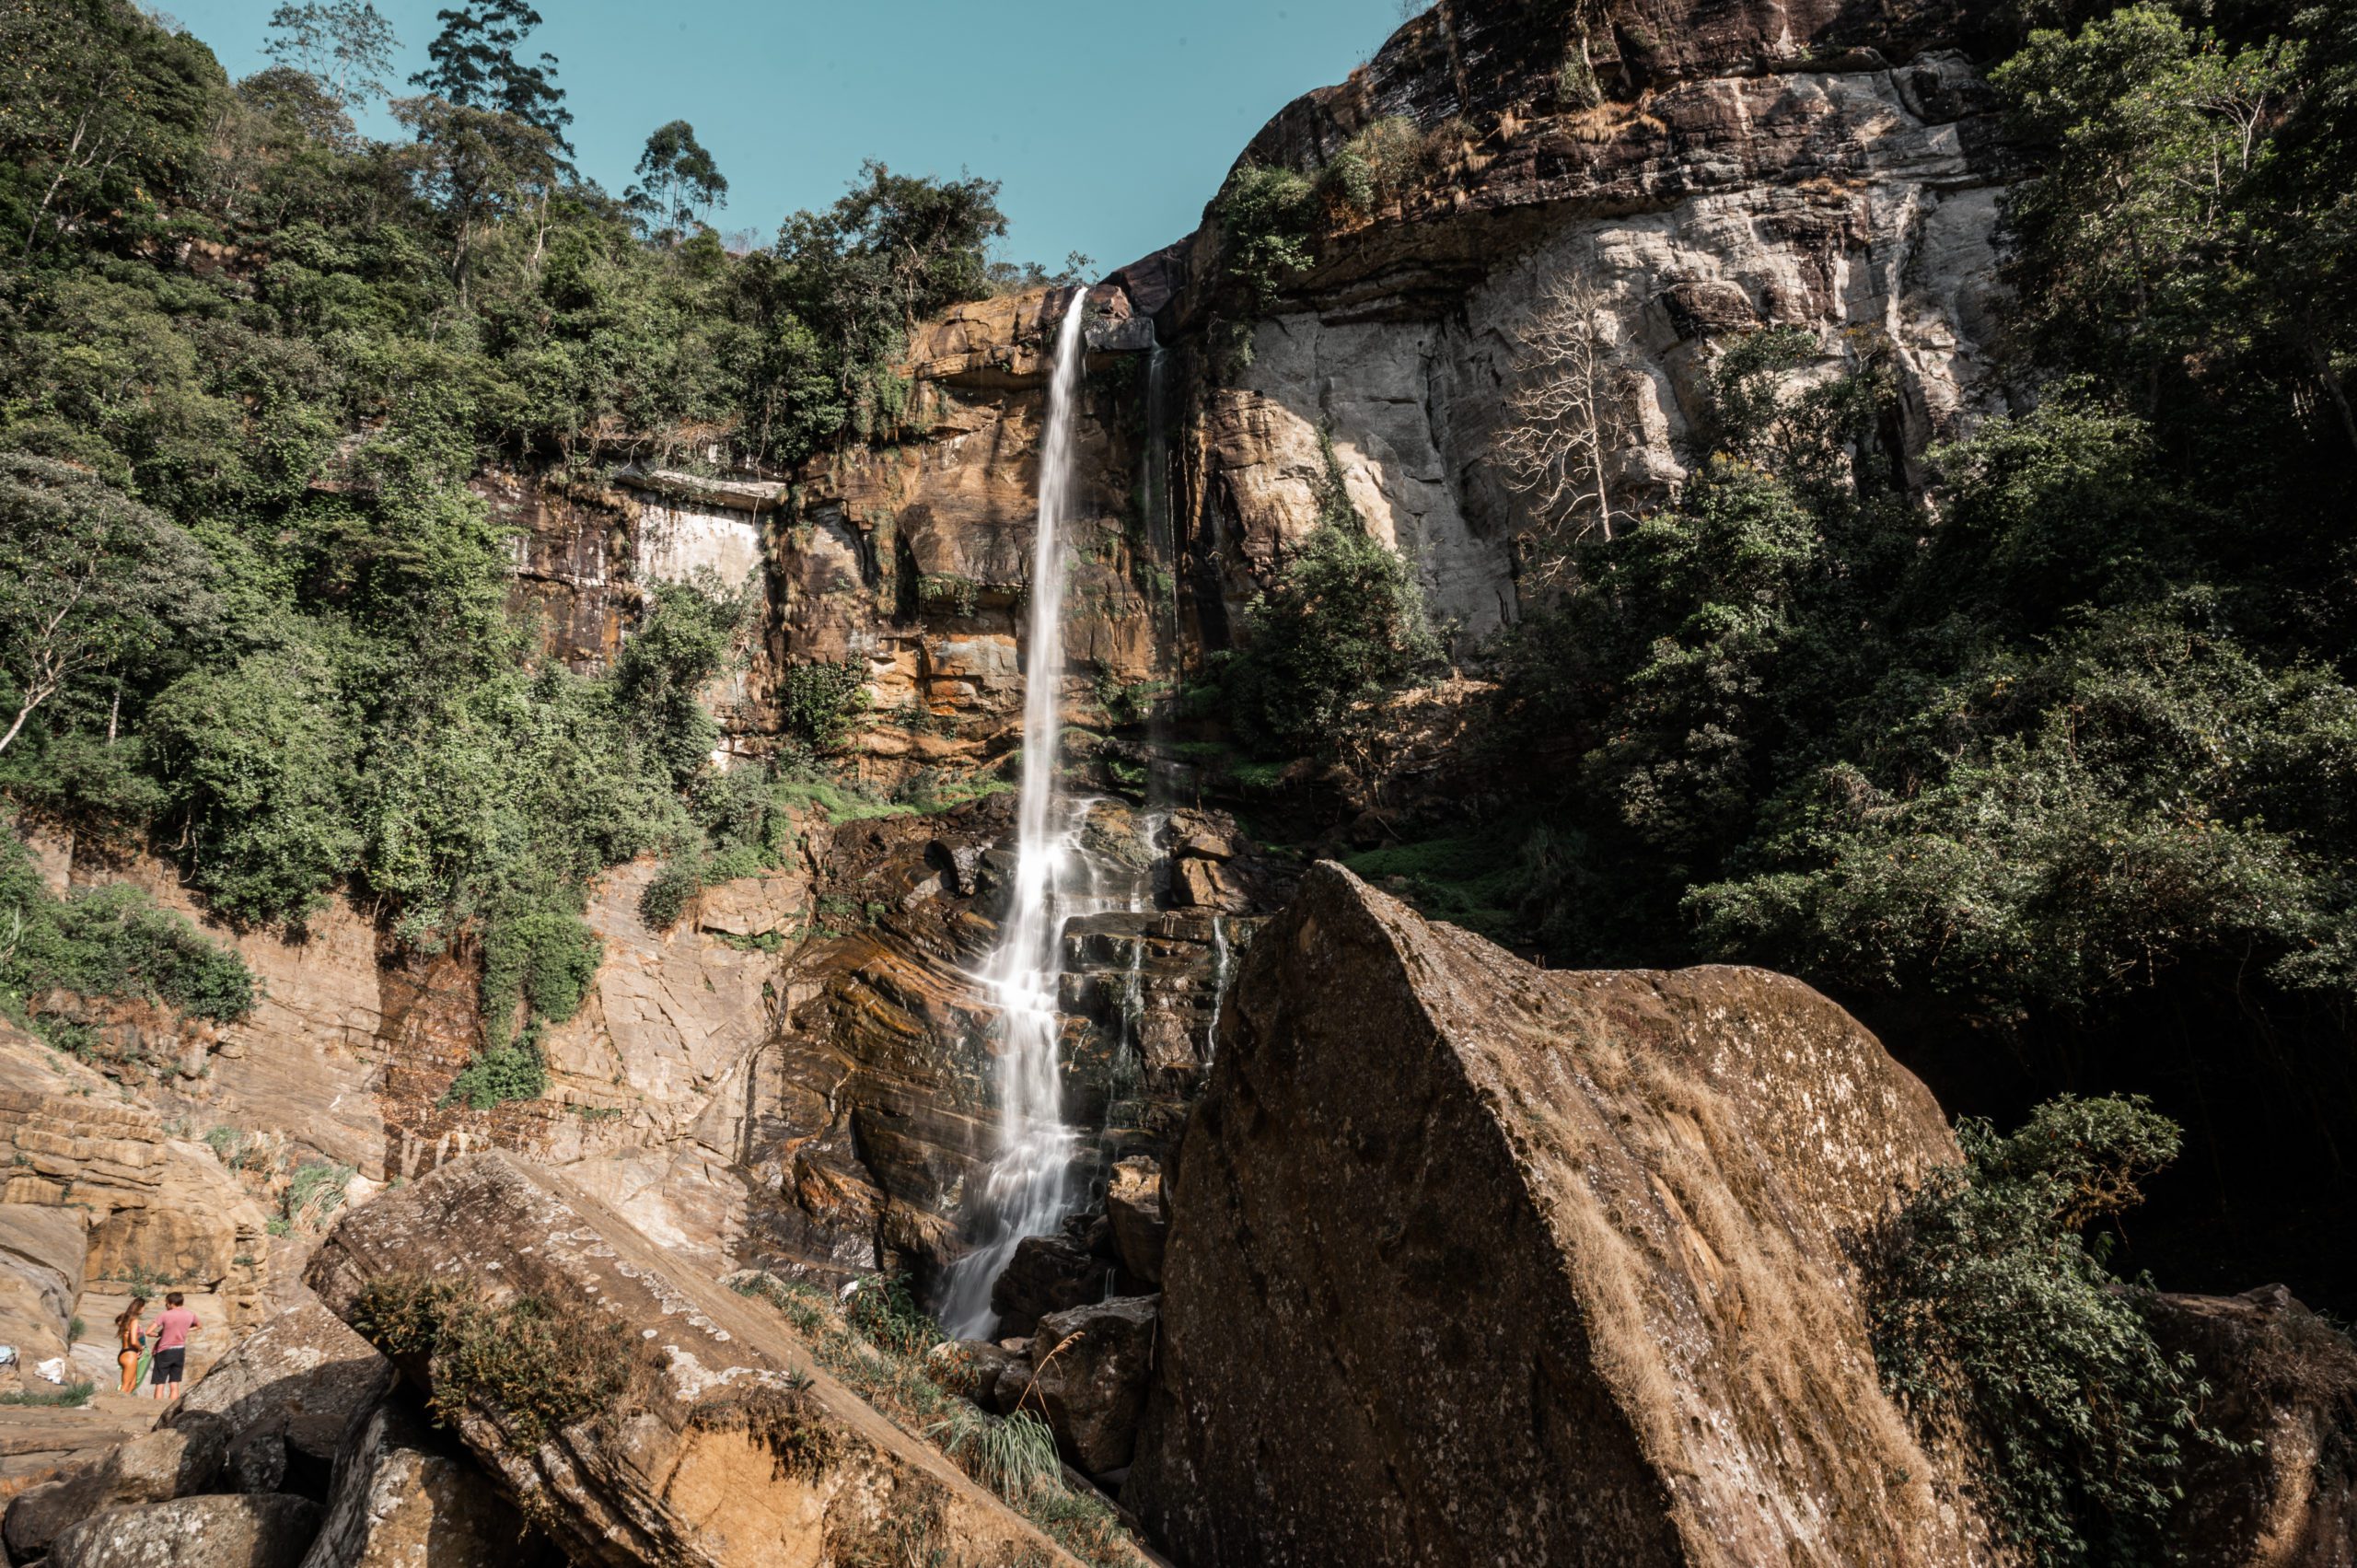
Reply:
x=194, y=1532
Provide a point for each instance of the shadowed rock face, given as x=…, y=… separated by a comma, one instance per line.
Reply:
x=1471, y=1263
x=2286, y=1386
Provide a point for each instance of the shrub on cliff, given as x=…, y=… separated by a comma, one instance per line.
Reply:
x=537, y=1366
x=1341, y=622
x=1994, y=1317
x=108, y=942
x=1265, y=216
x=822, y=702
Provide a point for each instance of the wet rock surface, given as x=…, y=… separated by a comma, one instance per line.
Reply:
x=1475, y=1263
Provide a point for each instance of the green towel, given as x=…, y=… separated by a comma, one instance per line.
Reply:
x=147, y=1359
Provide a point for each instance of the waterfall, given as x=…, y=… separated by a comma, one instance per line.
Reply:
x=1026, y=1192
x=1219, y=988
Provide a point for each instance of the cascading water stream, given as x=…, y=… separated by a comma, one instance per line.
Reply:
x=1026, y=1192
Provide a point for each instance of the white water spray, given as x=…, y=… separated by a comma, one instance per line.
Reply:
x=1027, y=1191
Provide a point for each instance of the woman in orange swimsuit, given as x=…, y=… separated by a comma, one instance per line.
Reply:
x=127, y=1335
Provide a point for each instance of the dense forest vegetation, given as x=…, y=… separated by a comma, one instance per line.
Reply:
x=249, y=610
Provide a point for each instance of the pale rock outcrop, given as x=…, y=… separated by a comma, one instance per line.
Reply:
x=308, y=1061
x=42, y=1251
x=734, y=1449
x=194, y=1532
x=1723, y=168
x=1472, y=1262
x=653, y=1075
x=157, y=1205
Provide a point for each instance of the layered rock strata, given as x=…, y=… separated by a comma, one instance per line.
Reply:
x=1471, y=1263
x=1698, y=172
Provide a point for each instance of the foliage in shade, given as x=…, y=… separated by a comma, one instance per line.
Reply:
x=536, y=1366
x=1343, y=622
x=108, y=941
x=1992, y=1316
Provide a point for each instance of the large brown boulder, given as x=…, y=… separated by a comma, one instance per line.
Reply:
x=2285, y=1387
x=1476, y=1263
x=729, y=1448
x=194, y=1532
x=1090, y=1367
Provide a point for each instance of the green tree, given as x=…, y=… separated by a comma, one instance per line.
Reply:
x=345, y=45
x=259, y=764
x=91, y=582
x=105, y=116
x=678, y=181
x=481, y=167
x=1993, y=1313
x=474, y=64
x=1341, y=622
x=2139, y=237
x=688, y=636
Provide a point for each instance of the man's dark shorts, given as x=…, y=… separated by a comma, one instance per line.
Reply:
x=167, y=1366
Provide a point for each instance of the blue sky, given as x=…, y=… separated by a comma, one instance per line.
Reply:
x=1109, y=125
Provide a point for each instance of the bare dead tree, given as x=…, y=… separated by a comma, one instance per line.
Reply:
x=1571, y=418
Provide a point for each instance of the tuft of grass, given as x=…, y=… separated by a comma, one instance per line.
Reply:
x=842, y=802
x=71, y=1395
x=315, y=1191
x=1013, y=1456
x=876, y=1347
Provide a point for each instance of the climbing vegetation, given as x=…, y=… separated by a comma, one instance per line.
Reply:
x=535, y=1366
x=1996, y=1317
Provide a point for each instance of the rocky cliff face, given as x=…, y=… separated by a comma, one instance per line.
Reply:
x=1473, y=1262
x=1704, y=171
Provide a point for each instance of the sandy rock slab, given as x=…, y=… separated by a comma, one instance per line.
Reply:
x=1473, y=1263
x=729, y=1449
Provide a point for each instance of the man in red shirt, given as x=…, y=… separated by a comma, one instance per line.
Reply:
x=171, y=1333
